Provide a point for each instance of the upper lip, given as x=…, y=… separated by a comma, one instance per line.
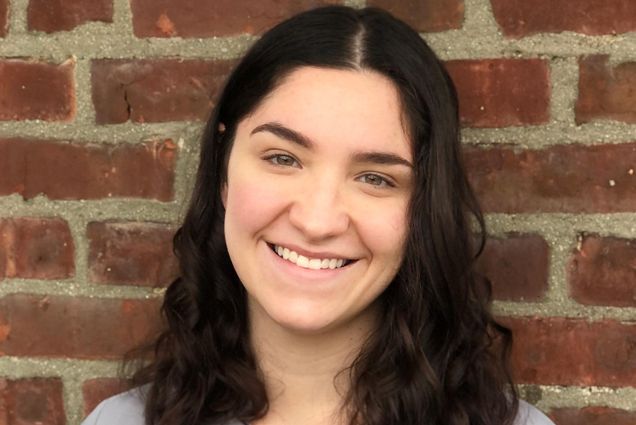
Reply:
x=311, y=254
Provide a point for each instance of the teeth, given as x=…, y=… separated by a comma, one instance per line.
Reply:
x=308, y=263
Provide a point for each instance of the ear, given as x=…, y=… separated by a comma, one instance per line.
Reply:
x=224, y=194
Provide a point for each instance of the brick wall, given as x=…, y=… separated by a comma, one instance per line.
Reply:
x=101, y=104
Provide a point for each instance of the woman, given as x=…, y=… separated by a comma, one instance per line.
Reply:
x=327, y=253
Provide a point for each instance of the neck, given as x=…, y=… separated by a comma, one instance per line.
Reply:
x=302, y=371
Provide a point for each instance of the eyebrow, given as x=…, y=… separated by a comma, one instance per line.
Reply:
x=385, y=158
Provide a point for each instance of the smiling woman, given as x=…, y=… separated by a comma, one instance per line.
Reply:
x=327, y=254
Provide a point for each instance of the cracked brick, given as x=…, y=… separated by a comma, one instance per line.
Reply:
x=155, y=90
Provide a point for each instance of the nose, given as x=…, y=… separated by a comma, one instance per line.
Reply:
x=319, y=211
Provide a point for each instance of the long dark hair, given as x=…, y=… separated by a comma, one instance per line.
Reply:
x=438, y=356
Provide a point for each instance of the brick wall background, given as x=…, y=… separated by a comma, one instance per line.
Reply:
x=101, y=104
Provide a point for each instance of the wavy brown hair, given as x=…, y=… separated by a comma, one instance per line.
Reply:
x=438, y=356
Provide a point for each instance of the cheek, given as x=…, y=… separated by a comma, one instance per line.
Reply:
x=252, y=204
x=384, y=230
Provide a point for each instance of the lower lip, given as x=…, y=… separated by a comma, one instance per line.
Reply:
x=304, y=273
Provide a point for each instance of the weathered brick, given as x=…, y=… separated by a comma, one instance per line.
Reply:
x=566, y=178
x=131, y=253
x=208, y=18
x=561, y=351
x=502, y=92
x=96, y=390
x=32, y=401
x=425, y=15
x=602, y=272
x=87, y=171
x=4, y=15
x=519, y=18
x=606, y=91
x=517, y=266
x=51, y=16
x=32, y=90
x=155, y=90
x=593, y=415
x=40, y=248
x=77, y=327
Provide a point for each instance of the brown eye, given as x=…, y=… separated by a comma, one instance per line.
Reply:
x=282, y=160
x=376, y=180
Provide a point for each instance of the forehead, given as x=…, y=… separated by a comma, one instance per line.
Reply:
x=338, y=107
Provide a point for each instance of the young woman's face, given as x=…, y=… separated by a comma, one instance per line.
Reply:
x=320, y=172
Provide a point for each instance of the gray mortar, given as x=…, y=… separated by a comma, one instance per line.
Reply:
x=479, y=38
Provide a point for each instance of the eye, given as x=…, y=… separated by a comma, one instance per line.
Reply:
x=376, y=180
x=282, y=160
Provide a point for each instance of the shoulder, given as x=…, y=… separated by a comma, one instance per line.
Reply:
x=123, y=409
x=530, y=415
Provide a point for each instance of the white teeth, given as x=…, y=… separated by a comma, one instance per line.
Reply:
x=308, y=263
x=303, y=261
x=314, y=264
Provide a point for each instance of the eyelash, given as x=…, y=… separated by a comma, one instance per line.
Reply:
x=273, y=159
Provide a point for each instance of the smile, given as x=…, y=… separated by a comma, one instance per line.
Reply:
x=309, y=263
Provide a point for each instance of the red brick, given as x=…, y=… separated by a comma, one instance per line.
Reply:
x=425, y=15
x=32, y=401
x=131, y=253
x=602, y=271
x=517, y=266
x=519, y=18
x=4, y=15
x=502, y=92
x=77, y=327
x=36, y=248
x=569, y=178
x=36, y=90
x=64, y=15
x=593, y=415
x=560, y=351
x=156, y=90
x=209, y=18
x=87, y=171
x=605, y=91
x=96, y=390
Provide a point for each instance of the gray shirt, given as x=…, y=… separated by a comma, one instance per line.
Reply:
x=128, y=409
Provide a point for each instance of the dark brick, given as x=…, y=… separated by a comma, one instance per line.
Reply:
x=606, y=92
x=64, y=15
x=561, y=351
x=593, y=415
x=519, y=18
x=131, y=253
x=77, y=327
x=502, y=92
x=87, y=171
x=570, y=178
x=602, y=272
x=517, y=266
x=209, y=18
x=155, y=90
x=32, y=401
x=425, y=15
x=36, y=248
x=34, y=90
x=4, y=15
